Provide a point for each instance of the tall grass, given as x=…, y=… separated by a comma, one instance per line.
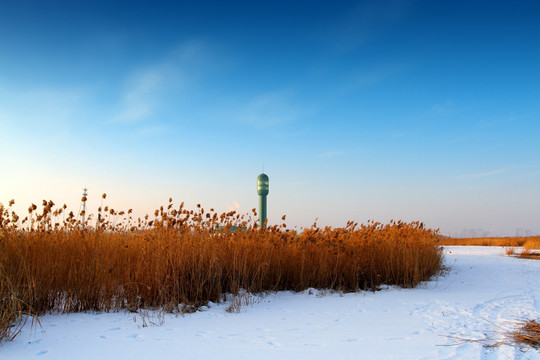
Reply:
x=13, y=311
x=182, y=259
x=530, y=242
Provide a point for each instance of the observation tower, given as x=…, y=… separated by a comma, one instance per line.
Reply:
x=262, y=191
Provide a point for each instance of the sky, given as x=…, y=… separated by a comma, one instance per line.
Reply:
x=356, y=110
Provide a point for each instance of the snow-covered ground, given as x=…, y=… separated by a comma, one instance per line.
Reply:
x=483, y=294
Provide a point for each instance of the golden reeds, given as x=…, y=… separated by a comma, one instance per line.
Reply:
x=531, y=242
x=182, y=259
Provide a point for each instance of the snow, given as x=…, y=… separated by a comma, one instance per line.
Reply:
x=482, y=295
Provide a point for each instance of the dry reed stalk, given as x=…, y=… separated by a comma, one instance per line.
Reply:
x=528, y=333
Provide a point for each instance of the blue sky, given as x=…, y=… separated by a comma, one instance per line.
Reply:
x=413, y=110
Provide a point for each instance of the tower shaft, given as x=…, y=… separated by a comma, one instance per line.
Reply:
x=262, y=210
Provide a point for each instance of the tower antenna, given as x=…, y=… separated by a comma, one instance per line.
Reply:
x=85, y=194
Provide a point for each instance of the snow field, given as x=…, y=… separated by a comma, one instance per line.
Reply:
x=482, y=295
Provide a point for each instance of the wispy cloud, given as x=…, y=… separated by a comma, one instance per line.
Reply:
x=374, y=76
x=234, y=207
x=367, y=77
x=146, y=88
x=331, y=154
x=456, y=140
x=141, y=95
x=267, y=110
x=170, y=82
x=365, y=21
x=446, y=108
x=531, y=174
x=151, y=130
x=297, y=183
x=485, y=174
x=398, y=135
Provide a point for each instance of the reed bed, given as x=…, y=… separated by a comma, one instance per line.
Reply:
x=182, y=259
x=530, y=242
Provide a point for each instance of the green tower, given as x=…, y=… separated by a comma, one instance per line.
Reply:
x=262, y=191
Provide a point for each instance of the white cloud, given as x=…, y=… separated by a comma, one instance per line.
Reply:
x=141, y=95
x=445, y=108
x=331, y=154
x=366, y=21
x=181, y=76
x=268, y=110
x=485, y=174
x=151, y=130
x=235, y=207
x=364, y=78
x=297, y=183
x=398, y=135
x=377, y=75
x=146, y=88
